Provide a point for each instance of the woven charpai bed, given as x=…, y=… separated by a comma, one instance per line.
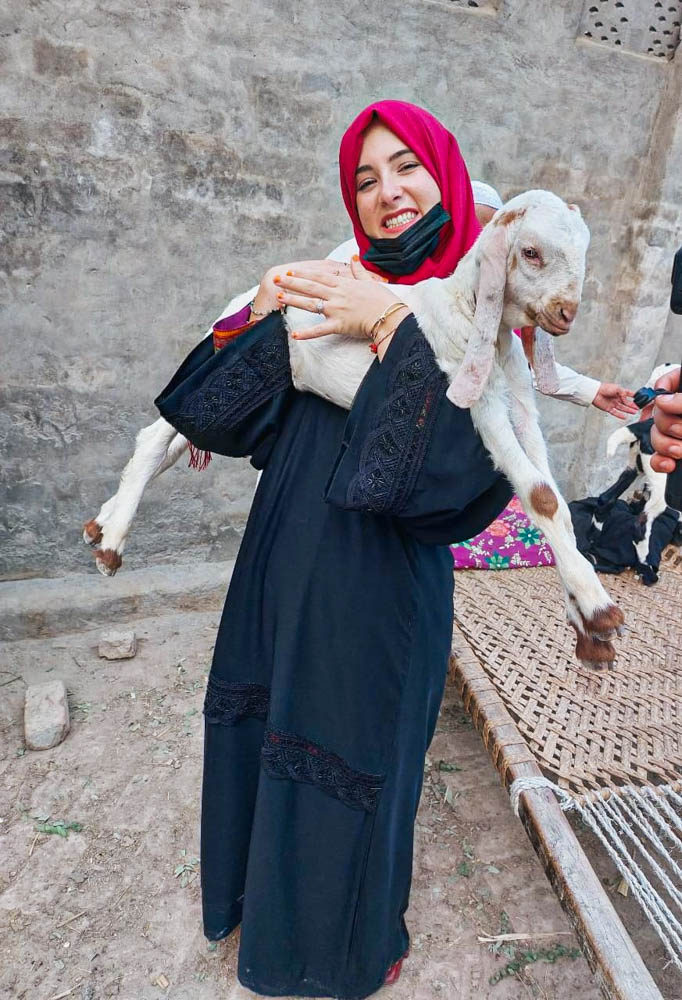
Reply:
x=607, y=745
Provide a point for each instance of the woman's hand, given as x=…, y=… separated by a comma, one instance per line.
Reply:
x=350, y=304
x=666, y=434
x=266, y=301
x=616, y=400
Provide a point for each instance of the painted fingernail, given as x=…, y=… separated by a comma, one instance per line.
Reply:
x=295, y=336
x=290, y=274
x=280, y=296
x=356, y=256
x=277, y=279
x=385, y=279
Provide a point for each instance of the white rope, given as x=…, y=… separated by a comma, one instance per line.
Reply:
x=663, y=804
x=643, y=805
x=521, y=785
x=653, y=903
x=635, y=878
x=622, y=821
x=615, y=820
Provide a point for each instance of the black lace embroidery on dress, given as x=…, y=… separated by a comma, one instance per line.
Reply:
x=236, y=388
x=228, y=703
x=394, y=451
x=285, y=755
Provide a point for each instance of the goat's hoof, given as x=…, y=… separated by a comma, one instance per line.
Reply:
x=92, y=532
x=107, y=561
x=604, y=624
x=594, y=653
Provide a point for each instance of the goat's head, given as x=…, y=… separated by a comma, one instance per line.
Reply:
x=546, y=242
x=530, y=261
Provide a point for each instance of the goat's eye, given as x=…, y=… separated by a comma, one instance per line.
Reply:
x=531, y=253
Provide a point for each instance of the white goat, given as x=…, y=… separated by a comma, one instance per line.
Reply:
x=526, y=268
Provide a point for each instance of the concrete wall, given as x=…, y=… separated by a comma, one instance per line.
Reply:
x=156, y=158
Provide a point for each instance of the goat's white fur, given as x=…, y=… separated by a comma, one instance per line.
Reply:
x=467, y=319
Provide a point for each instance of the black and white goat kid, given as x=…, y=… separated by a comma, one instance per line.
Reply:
x=653, y=521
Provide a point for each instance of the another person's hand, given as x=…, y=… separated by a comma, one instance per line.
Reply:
x=266, y=301
x=349, y=304
x=666, y=434
x=616, y=400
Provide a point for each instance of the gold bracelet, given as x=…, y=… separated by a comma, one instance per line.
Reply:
x=384, y=316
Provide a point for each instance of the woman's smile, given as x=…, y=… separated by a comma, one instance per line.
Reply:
x=397, y=222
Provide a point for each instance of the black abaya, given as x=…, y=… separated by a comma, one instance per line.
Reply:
x=331, y=656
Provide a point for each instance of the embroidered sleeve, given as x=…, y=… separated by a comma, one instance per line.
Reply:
x=395, y=447
x=409, y=453
x=233, y=391
x=285, y=755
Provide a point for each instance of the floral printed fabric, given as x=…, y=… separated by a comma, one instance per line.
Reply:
x=510, y=542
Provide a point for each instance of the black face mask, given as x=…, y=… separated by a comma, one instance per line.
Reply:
x=403, y=254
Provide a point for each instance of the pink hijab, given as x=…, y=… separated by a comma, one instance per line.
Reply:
x=438, y=151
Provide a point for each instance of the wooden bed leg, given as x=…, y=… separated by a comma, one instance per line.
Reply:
x=620, y=972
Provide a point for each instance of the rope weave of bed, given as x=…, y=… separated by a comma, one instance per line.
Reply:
x=589, y=730
x=610, y=742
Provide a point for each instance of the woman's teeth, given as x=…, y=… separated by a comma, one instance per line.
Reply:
x=399, y=220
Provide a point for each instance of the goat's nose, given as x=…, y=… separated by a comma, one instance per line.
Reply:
x=568, y=311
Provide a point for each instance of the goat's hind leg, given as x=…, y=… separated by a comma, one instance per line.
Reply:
x=92, y=529
x=157, y=447
x=589, y=609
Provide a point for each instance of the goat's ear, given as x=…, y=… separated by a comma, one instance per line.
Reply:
x=473, y=373
x=574, y=208
x=544, y=365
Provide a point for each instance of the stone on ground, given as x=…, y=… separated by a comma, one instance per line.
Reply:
x=46, y=715
x=117, y=645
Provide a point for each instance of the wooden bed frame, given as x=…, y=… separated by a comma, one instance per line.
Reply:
x=620, y=972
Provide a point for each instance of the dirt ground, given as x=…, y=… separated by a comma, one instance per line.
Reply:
x=112, y=910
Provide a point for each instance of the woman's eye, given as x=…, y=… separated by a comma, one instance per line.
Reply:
x=366, y=184
x=531, y=253
x=409, y=166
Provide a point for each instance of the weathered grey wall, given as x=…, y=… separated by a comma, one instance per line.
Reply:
x=157, y=158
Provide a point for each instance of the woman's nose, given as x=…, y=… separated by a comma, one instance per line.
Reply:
x=390, y=191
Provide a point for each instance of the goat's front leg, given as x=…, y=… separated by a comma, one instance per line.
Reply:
x=157, y=448
x=589, y=608
x=654, y=506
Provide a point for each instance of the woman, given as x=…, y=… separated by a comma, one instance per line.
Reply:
x=331, y=656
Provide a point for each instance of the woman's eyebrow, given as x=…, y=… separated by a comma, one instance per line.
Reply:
x=365, y=168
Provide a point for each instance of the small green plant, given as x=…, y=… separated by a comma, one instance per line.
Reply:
x=187, y=870
x=60, y=827
x=443, y=765
x=526, y=956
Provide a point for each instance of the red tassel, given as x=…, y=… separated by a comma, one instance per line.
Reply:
x=198, y=459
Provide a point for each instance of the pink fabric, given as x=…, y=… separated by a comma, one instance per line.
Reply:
x=233, y=322
x=438, y=151
x=511, y=542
